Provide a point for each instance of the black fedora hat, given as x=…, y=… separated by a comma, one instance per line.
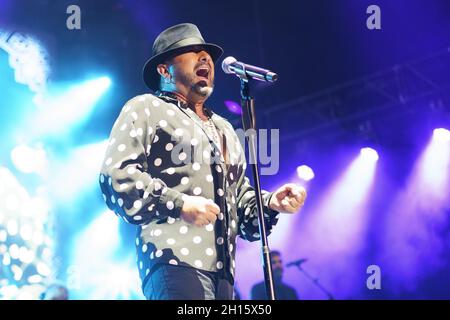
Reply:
x=172, y=41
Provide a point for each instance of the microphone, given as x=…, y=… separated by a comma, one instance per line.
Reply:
x=231, y=66
x=296, y=263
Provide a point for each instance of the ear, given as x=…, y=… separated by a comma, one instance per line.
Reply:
x=163, y=70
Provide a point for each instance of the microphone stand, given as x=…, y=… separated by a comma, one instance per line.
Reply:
x=316, y=282
x=249, y=123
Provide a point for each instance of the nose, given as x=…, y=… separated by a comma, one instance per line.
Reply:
x=205, y=57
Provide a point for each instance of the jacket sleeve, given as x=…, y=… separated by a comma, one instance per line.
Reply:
x=247, y=210
x=128, y=188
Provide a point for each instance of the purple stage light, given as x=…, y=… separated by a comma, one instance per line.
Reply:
x=441, y=134
x=369, y=154
x=305, y=173
x=233, y=107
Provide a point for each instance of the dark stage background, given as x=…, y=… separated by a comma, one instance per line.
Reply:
x=342, y=87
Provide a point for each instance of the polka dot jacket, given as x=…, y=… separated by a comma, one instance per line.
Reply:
x=158, y=152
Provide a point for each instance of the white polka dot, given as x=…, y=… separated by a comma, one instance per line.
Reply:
x=209, y=227
x=141, y=264
x=108, y=162
x=218, y=168
x=185, y=122
x=255, y=222
x=162, y=123
x=197, y=239
x=155, y=103
x=231, y=247
x=157, y=232
x=137, y=241
x=233, y=224
x=183, y=229
x=170, y=220
x=182, y=156
x=170, y=112
x=139, y=185
x=171, y=171
x=220, y=192
x=137, y=218
x=112, y=141
x=231, y=176
x=219, y=265
x=157, y=162
x=150, y=130
x=169, y=205
x=133, y=156
x=171, y=241
x=155, y=139
x=120, y=202
x=157, y=186
x=247, y=211
x=121, y=147
x=209, y=178
x=179, y=132
x=256, y=235
x=198, y=263
x=184, y=180
x=158, y=253
x=139, y=131
x=194, y=141
x=219, y=240
x=134, y=115
x=147, y=112
x=147, y=272
x=184, y=251
x=137, y=204
x=133, y=133
x=131, y=170
x=196, y=166
x=123, y=127
x=197, y=191
x=206, y=154
x=123, y=186
x=169, y=147
x=220, y=216
x=144, y=248
x=152, y=255
x=209, y=251
x=173, y=262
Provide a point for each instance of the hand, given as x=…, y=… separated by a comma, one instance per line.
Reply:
x=199, y=211
x=288, y=198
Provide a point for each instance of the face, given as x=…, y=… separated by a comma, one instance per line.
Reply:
x=277, y=267
x=191, y=73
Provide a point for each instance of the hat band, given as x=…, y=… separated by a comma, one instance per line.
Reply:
x=185, y=42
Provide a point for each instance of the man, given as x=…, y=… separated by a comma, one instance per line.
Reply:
x=176, y=170
x=282, y=290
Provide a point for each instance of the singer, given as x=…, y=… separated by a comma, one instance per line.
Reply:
x=188, y=206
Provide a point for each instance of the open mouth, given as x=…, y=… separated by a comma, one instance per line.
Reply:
x=203, y=72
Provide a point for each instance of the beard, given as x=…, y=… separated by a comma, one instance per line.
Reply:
x=199, y=87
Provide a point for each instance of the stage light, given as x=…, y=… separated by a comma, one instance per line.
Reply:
x=441, y=134
x=28, y=58
x=305, y=173
x=369, y=154
x=233, y=106
x=85, y=162
x=28, y=160
x=58, y=114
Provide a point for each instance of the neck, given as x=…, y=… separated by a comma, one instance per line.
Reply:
x=193, y=104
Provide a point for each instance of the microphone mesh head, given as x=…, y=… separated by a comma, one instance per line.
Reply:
x=226, y=63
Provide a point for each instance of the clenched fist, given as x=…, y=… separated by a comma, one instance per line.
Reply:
x=288, y=198
x=199, y=211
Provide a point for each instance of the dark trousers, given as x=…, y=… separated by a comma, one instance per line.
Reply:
x=168, y=282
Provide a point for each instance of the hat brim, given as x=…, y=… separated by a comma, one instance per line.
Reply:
x=151, y=75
